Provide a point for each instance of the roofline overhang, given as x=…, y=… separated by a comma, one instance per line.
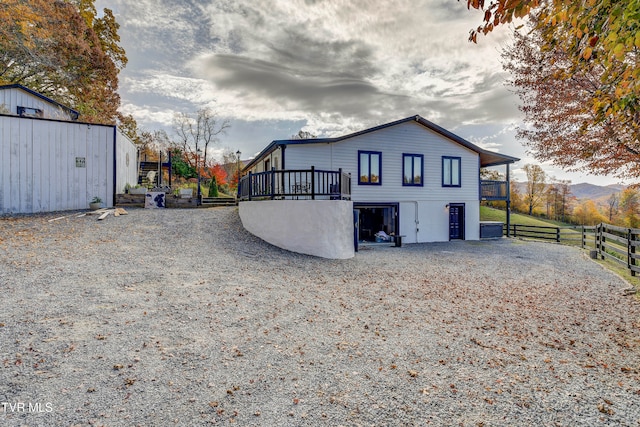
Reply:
x=487, y=158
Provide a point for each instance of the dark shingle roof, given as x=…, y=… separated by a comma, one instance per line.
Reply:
x=487, y=158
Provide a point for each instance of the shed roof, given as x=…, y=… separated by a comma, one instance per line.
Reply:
x=74, y=114
x=487, y=158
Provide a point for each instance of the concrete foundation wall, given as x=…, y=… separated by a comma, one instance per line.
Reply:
x=322, y=228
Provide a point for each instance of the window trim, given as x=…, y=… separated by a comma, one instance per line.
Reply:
x=413, y=174
x=451, y=159
x=369, y=153
x=29, y=111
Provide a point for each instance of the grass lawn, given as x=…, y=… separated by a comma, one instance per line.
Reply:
x=491, y=214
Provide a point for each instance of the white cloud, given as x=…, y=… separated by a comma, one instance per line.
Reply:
x=328, y=66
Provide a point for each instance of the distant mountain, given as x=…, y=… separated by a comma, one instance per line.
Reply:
x=595, y=192
x=584, y=190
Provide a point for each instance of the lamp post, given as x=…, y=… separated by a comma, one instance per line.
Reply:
x=238, y=157
x=198, y=151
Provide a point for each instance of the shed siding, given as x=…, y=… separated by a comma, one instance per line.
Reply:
x=13, y=98
x=38, y=159
x=127, y=162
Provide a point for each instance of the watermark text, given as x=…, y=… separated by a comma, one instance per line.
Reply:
x=27, y=407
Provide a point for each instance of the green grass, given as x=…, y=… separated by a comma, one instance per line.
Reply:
x=491, y=214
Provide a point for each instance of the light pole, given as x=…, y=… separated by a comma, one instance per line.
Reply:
x=238, y=156
x=198, y=151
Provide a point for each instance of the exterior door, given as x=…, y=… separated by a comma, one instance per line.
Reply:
x=456, y=221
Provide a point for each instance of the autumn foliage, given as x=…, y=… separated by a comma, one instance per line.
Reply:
x=216, y=171
x=575, y=66
x=63, y=50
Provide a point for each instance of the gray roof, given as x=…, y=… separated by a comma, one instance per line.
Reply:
x=487, y=158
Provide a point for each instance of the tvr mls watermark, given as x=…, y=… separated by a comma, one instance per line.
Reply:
x=27, y=407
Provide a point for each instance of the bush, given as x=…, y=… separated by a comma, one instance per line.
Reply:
x=213, y=188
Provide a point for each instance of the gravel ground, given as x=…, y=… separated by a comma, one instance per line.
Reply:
x=181, y=318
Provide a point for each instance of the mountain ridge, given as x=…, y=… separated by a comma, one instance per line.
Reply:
x=585, y=190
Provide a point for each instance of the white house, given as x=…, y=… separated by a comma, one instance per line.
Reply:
x=409, y=178
x=50, y=161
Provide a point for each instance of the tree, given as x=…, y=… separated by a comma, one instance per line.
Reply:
x=490, y=175
x=180, y=167
x=587, y=213
x=150, y=144
x=551, y=200
x=612, y=203
x=517, y=202
x=598, y=38
x=231, y=166
x=196, y=132
x=218, y=173
x=560, y=123
x=213, y=187
x=629, y=204
x=303, y=134
x=558, y=198
x=536, y=184
x=62, y=50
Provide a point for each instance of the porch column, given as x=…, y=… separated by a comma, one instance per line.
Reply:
x=508, y=201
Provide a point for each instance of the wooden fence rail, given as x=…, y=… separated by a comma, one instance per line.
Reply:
x=610, y=242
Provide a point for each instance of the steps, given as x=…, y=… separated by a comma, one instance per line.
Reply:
x=218, y=201
x=144, y=178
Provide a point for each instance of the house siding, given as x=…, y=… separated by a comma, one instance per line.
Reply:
x=274, y=158
x=422, y=209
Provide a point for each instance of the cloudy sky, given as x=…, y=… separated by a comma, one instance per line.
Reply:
x=329, y=67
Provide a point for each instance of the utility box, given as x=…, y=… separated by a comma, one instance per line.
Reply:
x=491, y=229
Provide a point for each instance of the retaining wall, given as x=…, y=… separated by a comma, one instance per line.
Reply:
x=322, y=228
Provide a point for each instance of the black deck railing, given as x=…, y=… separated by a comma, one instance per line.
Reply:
x=493, y=190
x=295, y=185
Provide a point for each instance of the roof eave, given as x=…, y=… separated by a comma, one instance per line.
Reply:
x=495, y=159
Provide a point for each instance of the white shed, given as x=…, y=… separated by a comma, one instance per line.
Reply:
x=52, y=162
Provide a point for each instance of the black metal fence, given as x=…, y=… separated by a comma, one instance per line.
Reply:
x=310, y=184
x=494, y=190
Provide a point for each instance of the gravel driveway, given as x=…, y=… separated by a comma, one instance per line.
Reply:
x=181, y=318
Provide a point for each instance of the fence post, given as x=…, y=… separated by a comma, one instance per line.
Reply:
x=273, y=182
x=340, y=183
x=631, y=251
x=313, y=182
x=558, y=234
x=583, y=238
x=515, y=230
x=603, y=240
x=250, y=185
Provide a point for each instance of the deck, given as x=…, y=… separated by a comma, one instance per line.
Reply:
x=308, y=184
